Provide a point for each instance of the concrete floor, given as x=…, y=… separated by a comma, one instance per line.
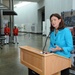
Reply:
x=10, y=54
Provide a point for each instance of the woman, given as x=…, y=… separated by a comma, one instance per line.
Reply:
x=61, y=41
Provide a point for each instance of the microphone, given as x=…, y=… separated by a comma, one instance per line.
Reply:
x=43, y=51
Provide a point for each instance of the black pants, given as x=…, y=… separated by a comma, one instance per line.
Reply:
x=65, y=72
x=31, y=72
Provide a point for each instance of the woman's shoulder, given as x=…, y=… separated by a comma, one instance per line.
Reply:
x=66, y=29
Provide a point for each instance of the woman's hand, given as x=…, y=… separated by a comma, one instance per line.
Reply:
x=57, y=48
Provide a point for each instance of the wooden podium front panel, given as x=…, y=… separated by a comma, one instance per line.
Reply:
x=32, y=60
x=55, y=63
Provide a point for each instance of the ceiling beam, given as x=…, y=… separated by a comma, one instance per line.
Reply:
x=25, y=0
x=29, y=0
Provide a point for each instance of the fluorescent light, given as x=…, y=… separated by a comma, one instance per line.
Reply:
x=22, y=4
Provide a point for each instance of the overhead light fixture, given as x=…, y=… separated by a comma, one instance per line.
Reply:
x=9, y=12
x=22, y=3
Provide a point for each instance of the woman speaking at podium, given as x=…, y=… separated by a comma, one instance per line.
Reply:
x=61, y=41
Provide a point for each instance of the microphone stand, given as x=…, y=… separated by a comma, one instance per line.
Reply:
x=45, y=44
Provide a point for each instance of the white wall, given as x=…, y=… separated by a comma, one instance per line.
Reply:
x=73, y=5
x=56, y=6
x=27, y=15
x=41, y=4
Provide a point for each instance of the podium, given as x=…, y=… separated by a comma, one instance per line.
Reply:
x=43, y=64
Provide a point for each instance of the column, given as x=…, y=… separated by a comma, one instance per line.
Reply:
x=1, y=17
x=11, y=19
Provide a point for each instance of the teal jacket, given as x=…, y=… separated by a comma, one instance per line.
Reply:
x=64, y=40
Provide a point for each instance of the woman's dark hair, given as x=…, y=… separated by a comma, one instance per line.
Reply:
x=61, y=25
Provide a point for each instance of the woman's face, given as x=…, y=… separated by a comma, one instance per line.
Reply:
x=55, y=22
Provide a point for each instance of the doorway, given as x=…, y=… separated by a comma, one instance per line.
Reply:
x=41, y=18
